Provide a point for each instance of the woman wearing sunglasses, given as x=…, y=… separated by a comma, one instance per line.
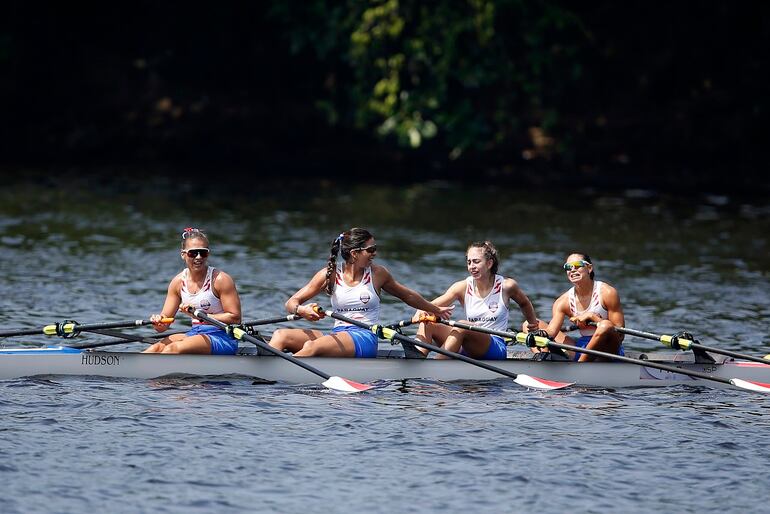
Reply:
x=203, y=287
x=588, y=300
x=485, y=295
x=353, y=282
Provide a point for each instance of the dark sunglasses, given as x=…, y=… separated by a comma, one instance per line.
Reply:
x=569, y=266
x=194, y=252
x=368, y=249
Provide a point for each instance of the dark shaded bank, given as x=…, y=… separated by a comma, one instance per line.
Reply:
x=608, y=95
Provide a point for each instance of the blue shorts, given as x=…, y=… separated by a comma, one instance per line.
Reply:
x=365, y=340
x=497, y=350
x=221, y=343
x=583, y=341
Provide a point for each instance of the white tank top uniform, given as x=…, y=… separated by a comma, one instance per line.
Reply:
x=204, y=299
x=488, y=312
x=360, y=302
x=207, y=301
x=595, y=305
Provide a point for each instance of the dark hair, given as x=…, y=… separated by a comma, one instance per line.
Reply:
x=586, y=258
x=193, y=233
x=343, y=245
x=490, y=253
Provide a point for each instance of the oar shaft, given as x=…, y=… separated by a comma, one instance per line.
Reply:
x=72, y=327
x=521, y=337
x=241, y=334
x=687, y=344
x=639, y=362
x=390, y=333
x=269, y=321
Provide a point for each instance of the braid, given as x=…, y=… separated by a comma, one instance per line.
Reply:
x=331, y=266
x=345, y=243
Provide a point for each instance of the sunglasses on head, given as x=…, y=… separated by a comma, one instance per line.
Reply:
x=569, y=266
x=194, y=252
x=368, y=249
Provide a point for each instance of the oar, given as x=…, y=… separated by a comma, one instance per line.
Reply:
x=270, y=321
x=682, y=343
x=71, y=328
x=521, y=337
x=388, y=333
x=332, y=382
x=124, y=338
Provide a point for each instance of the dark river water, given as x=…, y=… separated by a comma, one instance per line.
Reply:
x=96, y=251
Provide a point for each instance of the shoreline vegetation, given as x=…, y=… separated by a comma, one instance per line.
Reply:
x=606, y=95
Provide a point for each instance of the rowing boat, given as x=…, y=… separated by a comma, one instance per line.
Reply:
x=391, y=364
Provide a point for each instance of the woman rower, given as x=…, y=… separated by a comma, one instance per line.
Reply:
x=354, y=285
x=485, y=295
x=588, y=300
x=202, y=287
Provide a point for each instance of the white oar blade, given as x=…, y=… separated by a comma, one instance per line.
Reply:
x=346, y=386
x=751, y=386
x=540, y=383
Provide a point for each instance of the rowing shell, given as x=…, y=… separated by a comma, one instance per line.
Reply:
x=390, y=365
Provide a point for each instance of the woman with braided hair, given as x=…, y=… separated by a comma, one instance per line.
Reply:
x=353, y=282
x=485, y=295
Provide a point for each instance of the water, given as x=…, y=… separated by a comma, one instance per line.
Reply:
x=104, y=253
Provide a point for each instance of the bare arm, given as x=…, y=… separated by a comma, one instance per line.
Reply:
x=409, y=296
x=527, y=309
x=454, y=293
x=170, y=306
x=224, y=288
x=611, y=300
x=310, y=290
x=559, y=311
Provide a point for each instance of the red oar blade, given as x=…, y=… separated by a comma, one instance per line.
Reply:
x=540, y=383
x=751, y=386
x=346, y=386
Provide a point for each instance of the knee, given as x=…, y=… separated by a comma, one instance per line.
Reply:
x=278, y=338
x=524, y=326
x=309, y=348
x=604, y=326
x=170, y=348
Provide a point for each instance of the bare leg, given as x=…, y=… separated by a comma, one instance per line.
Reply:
x=160, y=345
x=605, y=339
x=431, y=333
x=475, y=344
x=199, y=344
x=334, y=345
x=293, y=339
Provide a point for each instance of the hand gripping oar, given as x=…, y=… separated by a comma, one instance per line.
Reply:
x=533, y=340
x=384, y=332
x=678, y=342
x=336, y=383
x=72, y=328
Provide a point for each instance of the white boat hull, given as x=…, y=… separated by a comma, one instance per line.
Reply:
x=16, y=364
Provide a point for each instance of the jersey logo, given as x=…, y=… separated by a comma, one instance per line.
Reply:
x=492, y=306
x=205, y=305
x=364, y=297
